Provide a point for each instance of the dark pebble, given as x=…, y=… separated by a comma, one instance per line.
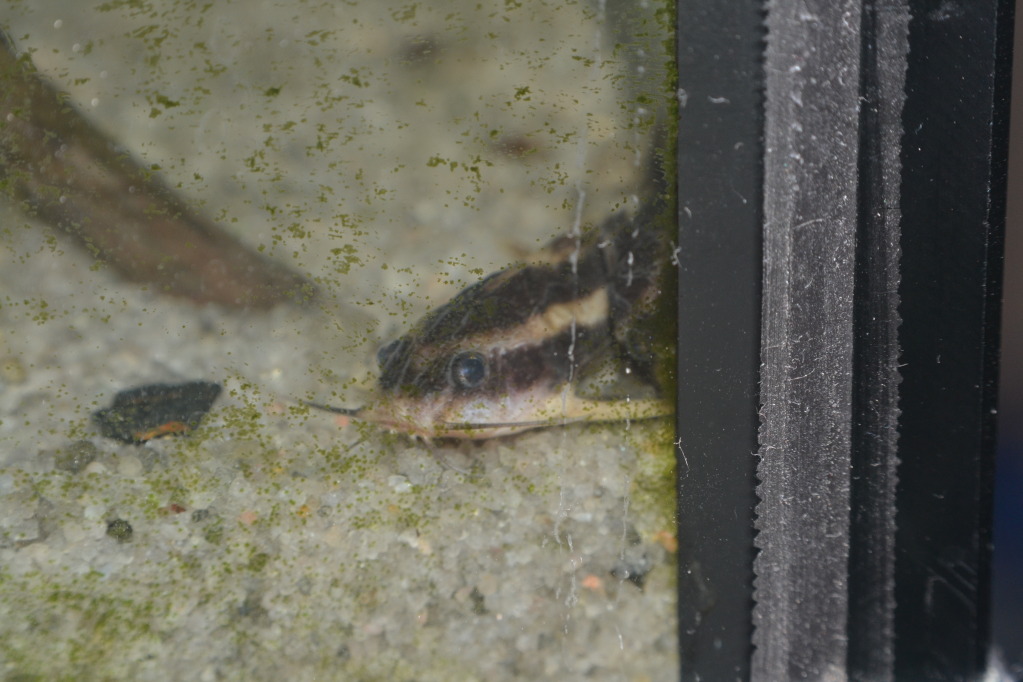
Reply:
x=155, y=410
x=76, y=456
x=120, y=530
x=634, y=567
x=479, y=607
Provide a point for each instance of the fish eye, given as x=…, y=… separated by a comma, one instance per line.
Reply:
x=385, y=352
x=468, y=369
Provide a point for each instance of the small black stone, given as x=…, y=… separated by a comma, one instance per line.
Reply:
x=200, y=515
x=76, y=456
x=252, y=608
x=120, y=530
x=478, y=602
x=635, y=570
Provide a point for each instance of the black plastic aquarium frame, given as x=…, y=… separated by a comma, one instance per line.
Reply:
x=896, y=448
x=720, y=47
x=954, y=158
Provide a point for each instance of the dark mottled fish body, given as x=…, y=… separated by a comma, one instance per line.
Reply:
x=508, y=353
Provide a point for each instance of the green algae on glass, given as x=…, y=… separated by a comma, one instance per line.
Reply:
x=85, y=629
x=653, y=484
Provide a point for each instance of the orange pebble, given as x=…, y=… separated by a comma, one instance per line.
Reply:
x=248, y=517
x=667, y=540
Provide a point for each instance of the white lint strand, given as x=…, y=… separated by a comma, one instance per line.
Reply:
x=573, y=258
x=572, y=598
x=625, y=520
x=576, y=234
